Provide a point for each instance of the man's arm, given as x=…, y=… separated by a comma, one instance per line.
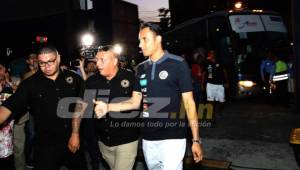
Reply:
x=4, y=114
x=272, y=73
x=81, y=68
x=74, y=141
x=190, y=108
x=133, y=103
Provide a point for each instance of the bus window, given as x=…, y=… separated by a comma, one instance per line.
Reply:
x=219, y=38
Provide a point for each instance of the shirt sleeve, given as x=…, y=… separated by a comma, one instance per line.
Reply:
x=18, y=102
x=137, y=85
x=185, y=79
x=81, y=87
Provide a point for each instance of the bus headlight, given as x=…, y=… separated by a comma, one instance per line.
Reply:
x=246, y=83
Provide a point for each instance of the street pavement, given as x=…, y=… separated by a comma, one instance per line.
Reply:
x=252, y=135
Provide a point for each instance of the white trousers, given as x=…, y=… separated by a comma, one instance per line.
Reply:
x=215, y=92
x=164, y=154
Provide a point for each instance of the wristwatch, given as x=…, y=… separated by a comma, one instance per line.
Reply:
x=197, y=140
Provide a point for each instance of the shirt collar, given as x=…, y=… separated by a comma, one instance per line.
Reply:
x=163, y=58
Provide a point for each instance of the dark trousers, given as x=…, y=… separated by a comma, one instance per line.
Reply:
x=53, y=157
x=7, y=163
x=281, y=92
x=29, y=142
x=91, y=142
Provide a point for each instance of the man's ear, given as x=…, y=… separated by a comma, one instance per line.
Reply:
x=58, y=58
x=116, y=61
x=159, y=38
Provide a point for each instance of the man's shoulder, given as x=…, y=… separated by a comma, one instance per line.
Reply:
x=144, y=63
x=126, y=72
x=32, y=78
x=95, y=78
x=174, y=57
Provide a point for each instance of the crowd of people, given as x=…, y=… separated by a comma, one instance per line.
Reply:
x=119, y=110
x=122, y=105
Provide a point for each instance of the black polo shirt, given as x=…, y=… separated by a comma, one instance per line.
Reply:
x=41, y=95
x=111, y=129
x=163, y=82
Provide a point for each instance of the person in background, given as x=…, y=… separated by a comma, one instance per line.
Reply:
x=266, y=67
x=86, y=68
x=197, y=69
x=23, y=129
x=6, y=129
x=216, y=79
x=279, y=80
x=32, y=66
x=124, y=64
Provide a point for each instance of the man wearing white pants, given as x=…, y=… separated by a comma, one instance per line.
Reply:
x=153, y=153
x=164, y=79
x=216, y=77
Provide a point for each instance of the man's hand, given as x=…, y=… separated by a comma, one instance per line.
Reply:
x=197, y=152
x=74, y=142
x=100, y=109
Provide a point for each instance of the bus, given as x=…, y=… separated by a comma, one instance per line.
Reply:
x=240, y=39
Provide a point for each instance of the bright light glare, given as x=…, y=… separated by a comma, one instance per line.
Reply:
x=238, y=5
x=247, y=83
x=87, y=39
x=118, y=49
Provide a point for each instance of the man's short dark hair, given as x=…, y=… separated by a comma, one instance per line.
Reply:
x=31, y=54
x=153, y=27
x=46, y=49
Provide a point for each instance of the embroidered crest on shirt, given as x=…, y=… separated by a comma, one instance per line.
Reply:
x=125, y=83
x=143, y=76
x=163, y=75
x=69, y=80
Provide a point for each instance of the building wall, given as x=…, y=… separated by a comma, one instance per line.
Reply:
x=116, y=21
x=125, y=26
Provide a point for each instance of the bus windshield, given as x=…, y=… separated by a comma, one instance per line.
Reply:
x=256, y=33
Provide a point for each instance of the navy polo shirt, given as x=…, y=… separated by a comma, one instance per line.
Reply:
x=41, y=95
x=162, y=84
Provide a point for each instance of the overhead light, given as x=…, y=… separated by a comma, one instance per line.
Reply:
x=238, y=5
x=118, y=49
x=87, y=39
